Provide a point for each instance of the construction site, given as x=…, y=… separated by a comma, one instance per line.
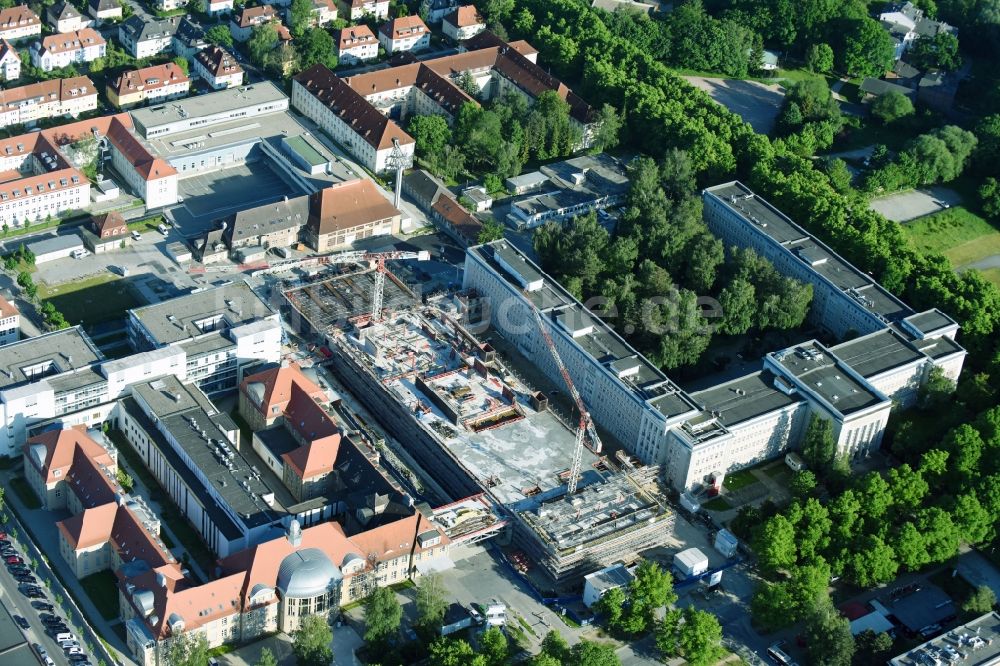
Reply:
x=476, y=428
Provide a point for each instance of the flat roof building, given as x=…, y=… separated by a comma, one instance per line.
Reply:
x=212, y=109
x=975, y=643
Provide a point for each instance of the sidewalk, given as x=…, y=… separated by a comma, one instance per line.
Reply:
x=82, y=613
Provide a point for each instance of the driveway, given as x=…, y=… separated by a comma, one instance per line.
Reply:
x=754, y=102
x=906, y=206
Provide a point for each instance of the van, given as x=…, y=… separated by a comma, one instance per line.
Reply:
x=65, y=636
x=136, y=236
x=80, y=253
x=162, y=228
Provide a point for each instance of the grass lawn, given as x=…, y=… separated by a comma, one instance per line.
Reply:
x=25, y=492
x=717, y=504
x=739, y=480
x=148, y=224
x=98, y=299
x=957, y=233
x=102, y=588
x=779, y=472
x=993, y=275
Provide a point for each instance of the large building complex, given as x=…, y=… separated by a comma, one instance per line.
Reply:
x=701, y=436
x=47, y=99
x=363, y=112
x=474, y=427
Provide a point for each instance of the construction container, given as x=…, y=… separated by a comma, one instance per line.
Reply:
x=726, y=543
x=690, y=563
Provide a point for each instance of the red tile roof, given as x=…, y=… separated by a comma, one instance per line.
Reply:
x=72, y=41
x=114, y=223
x=347, y=205
x=403, y=27
x=355, y=35
x=278, y=383
x=149, y=78
x=60, y=451
x=17, y=17
x=251, y=16
x=90, y=528
x=7, y=309
x=465, y=17
x=218, y=61
x=47, y=91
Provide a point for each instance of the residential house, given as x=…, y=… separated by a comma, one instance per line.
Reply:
x=272, y=225
x=356, y=44
x=872, y=88
x=218, y=68
x=463, y=23
x=106, y=233
x=937, y=90
x=459, y=223
x=218, y=7
x=64, y=17
x=10, y=61
x=47, y=99
x=242, y=24
x=156, y=82
x=349, y=211
x=325, y=11
x=906, y=23
x=10, y=322
x=104, y=10
x=434, y=11
x=404, y=33
x=189, y=39
x=144, y=37
x=68, y=48
x=359, y=9
x=169, y=5
x=19, y=22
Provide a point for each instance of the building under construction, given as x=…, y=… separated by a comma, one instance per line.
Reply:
x=475, y=427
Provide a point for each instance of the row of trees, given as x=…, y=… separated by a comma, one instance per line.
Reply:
x=498, y=139
x=939, y=156
x=650, y=275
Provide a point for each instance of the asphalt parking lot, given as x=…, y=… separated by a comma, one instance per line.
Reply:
x=906, y=206
x=754, y=102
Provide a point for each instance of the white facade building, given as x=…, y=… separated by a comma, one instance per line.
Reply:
x=19, y=22
x=10, y=322
x=66, y=49
x=405, y=33
x=356, y=44
x=10, y=61
x=359, y=9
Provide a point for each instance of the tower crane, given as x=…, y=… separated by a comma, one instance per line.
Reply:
x=375, y=260
x=586, y=427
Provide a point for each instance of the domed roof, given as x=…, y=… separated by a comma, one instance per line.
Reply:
x=307, y=573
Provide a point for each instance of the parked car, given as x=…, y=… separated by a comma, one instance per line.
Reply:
x=42, y=606
x=136, y=235
x=21, y=622
x=14, y=559
x=80, y=253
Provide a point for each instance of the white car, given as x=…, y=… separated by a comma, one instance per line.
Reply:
x=80, y=253
x=136, y=235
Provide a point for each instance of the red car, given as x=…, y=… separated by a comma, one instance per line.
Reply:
x=14, y=559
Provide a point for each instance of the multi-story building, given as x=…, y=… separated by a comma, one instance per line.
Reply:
x=156, y=82
x=10, y=61
x=104, y=10
x=277, y=224
x=702, y=436
x=168, y=5
x=361, y=112
x=64, y=17
x=356, y=43
x=19, y=22
x=222, y=331
x=324, y=12
x=360, y=9
x=188, y=39
x=218, y=68
x=404, y=33
x=46, y=99
x=463, y=23
x=434, y=11
x=66, y=49
x=347, y=212
x=241, y=25
x=145, y=37
x=217, y=7
x=10, y=322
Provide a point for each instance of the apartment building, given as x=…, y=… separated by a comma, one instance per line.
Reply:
x=64, y=17
x=47, y=99
x=434, y=11
x=361, y=9
x=463, y=23
x=218, y=68
x=10, y=61
x=216, y=7
x=157, y=82
x=19, y=22
x=143, y=37
x=10, y=322
x=188, y=39
x=104, y=10
x=404, y=33
x=241, y=25
x=66, y=49
x=168, y=5
x=356, y=44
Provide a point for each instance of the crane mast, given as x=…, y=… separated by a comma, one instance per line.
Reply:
x=586, y=426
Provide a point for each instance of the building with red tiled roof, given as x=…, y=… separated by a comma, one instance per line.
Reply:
x=64, y=49
x=265, y=395
x=462, y=224
x=10, y=61
x=463, y=23
x=242, y=23
x=19, y=22
x=360, y=9
x=47, y=99
x=218, y=68
x=10, y=322
x=404, y=33
x=356, y=43
x=349, y=211
x=156, y=82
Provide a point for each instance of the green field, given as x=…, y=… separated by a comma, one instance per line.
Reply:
x=98, y=299
x=960, y=235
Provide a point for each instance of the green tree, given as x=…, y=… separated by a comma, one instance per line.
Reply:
x=187, y=650
x=867, y=49
x=651, y=589
x=261, y=43
x=311, y=643
x=382, y=616
x=700, y=637
x=739, y=306
x=609, y=127
x=982, y=600
x=610, y=606
x=467, y=83
x=770, y=606
x=431, y=134
x=300, y=17
x=588, y=653
x=183, y=64
x=431, y=603
x=818, y=444
x=892, y=106
x=451, y=652
x=555, y=646
x=124, y=479
x=267, y=658
x=934, y=393
x=873, y=562
x=775, y=544
x=219, y=35
x=872, y=649
x=828, y=634
x=935, y=52
x=317, y=47
x=802, y=484
x=819, y=58
x=838, y=173
x=491, y=231
x=493, y=646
